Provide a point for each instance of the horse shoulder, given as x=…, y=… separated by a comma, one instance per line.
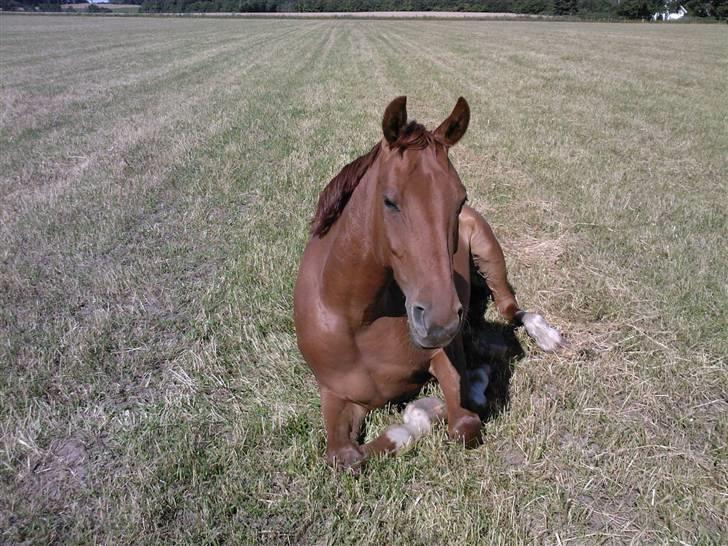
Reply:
x=318, y=327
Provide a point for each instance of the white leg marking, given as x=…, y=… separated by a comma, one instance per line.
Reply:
x=421, y=414
x=549, y=339
x=399, y=435
x=417, y=421
x=434, y=407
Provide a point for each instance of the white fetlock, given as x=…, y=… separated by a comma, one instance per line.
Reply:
x=421, y=414
x=401, y=436
x=417, y=421
x=549, y=339
x=434, y=407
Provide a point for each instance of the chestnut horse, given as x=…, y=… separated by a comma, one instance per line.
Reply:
x=384, y=283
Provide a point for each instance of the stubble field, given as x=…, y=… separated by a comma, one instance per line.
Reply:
x=156, y=180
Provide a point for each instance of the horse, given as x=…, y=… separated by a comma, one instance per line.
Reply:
x=384, y=285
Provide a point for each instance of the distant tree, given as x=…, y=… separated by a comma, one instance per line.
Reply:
x=566, y=7
x=32, y=5
x=637, y=9
x=533, y=6
x=699, y=8
x=595, y=7
x=720, y=9
x=95, y=8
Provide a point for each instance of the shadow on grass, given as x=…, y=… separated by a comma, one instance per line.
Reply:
x=491, y=346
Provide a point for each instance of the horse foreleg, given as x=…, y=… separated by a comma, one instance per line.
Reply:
x=463, y=424
x=342, y=420
x=491, y=264
x=488, y=258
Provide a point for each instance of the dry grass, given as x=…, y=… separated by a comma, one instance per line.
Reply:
x=156, y=178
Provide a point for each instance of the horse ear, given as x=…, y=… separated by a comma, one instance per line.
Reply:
x=453, y=128
x=395, y=117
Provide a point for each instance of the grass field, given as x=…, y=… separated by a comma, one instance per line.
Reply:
x=156, y=180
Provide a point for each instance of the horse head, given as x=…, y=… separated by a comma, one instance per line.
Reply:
x=419, y=197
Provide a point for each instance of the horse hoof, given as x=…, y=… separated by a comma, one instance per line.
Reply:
x=345, y=458
x=466, y=430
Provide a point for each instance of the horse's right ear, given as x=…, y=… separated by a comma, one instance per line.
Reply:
x=395, y=117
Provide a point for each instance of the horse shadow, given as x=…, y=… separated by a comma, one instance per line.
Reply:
x=492, y=347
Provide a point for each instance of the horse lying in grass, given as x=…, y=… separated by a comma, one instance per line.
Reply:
x=384, y=284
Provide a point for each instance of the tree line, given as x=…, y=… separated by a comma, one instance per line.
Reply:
x=634, y=9
x=630, y=9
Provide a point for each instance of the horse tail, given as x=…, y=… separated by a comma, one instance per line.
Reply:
x=419, y=416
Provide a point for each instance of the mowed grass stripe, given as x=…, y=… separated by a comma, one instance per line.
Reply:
x=93, y=43
x=253, y=379
x=198, y=419
x=177, y=85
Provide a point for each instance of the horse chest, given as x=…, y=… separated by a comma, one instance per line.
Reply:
x=390, y=366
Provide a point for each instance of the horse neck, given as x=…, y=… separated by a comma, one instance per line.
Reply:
x=354, y=272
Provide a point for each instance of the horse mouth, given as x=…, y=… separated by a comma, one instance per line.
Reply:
x=431, y=342
x=432, y=347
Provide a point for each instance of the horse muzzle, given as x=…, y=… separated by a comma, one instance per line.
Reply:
x=430, y=333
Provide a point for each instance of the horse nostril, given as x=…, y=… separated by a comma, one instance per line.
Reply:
x=418, y=314
x=460, y=314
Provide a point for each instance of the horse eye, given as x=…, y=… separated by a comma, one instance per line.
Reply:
x=390, y=204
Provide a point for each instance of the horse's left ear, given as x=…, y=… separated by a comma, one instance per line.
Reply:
x=453, y=128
